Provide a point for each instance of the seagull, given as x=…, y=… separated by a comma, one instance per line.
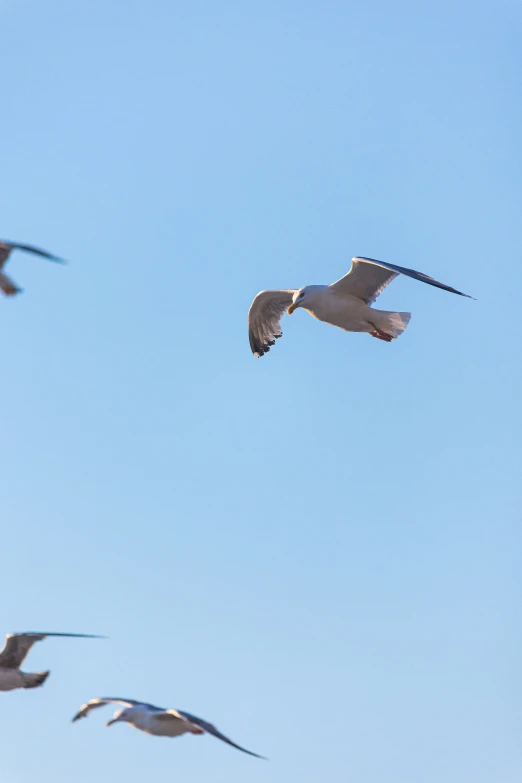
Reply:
x=345, y=303
x=16, y=647
x=157, y=721
x=6, y=248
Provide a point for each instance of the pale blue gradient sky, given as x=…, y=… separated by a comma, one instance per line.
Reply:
x=318, y=551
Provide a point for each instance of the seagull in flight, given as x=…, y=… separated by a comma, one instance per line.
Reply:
x=157, y=721
x=6, y=248
x=345, y=303
x=16, y=647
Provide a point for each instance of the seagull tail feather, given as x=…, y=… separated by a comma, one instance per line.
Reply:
x=393, y=324
x=34, y=680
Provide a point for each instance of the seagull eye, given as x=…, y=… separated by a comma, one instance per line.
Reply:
x=301, y=295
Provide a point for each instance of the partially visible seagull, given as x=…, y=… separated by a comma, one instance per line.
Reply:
x=157, y=721
x=6, y=248
x=345, y=303
x=16, y=647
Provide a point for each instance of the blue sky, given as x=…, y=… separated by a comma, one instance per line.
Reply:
x=318, y=551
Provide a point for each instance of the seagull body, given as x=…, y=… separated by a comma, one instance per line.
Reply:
x=348, y=312
x=8, y=287
x=17, y=646
x=345, y=304
x=156, y=720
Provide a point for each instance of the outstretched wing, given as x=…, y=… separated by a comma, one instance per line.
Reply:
x=5, y=251
x=368, y=278
x=7, y=285
x=210, y=729
x=95, y=703
x=172, y=716
x=37, y=251
x=17, y=645
x=264, y=316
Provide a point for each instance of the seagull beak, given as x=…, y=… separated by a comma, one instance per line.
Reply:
x=110, y=722
x=292, y=308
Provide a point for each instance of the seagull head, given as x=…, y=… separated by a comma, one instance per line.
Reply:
x=120, y=716
x=304, y=296
x=298, y=300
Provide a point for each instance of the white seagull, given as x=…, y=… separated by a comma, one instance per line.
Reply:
x=6, y=248
x=16, y=647
x=157, y=721
x=345, y=303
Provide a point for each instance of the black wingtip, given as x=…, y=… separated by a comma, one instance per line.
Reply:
x=55, y=259
x=259, y=348
x=61, y=634
x=454, y=291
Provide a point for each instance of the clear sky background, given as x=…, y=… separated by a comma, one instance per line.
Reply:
x=319, y=551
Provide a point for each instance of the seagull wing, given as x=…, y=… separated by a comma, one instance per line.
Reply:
x=210, y=729
x=17, y=645
x=37, y=251
x=170, y=715
x=5, y=252
x=95, y=703
x=264, y=316
x=7, y=285
x=368, y=278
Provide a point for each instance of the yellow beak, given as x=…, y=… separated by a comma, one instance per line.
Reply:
x=292, y=308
